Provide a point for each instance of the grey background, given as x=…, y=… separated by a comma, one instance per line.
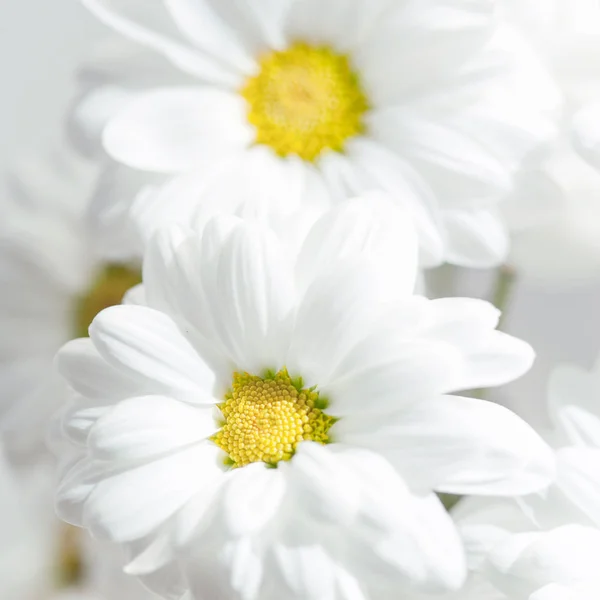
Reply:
x=40, y=44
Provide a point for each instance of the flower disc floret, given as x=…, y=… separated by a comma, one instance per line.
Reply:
x=265, y=418
x=305, y=100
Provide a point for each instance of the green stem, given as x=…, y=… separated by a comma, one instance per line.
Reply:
x=503, y=291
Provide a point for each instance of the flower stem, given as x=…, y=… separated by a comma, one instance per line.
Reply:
x=503, y=291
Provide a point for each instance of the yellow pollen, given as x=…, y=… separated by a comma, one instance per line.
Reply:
x=305, y=100
x=266, y=418
x=108, y=289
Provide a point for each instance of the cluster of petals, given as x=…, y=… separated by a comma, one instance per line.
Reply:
x=353, y=518
x=543, y=547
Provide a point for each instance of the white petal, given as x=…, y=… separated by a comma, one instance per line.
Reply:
x=328, y=489
x=502, y=359
x=187, y=59
x=342, y=24
x=429, y=43
x=579, y=479
x=74, y=489
x=150, y=555
x=463, y=322
x=177, y=129
x=457, y=166
x=476, y=239
x=388, y=171
x=259, y=27
x=573, y=404
x=460, y=446
x=305, y=569
x=201, y=24
x=391, y=375
x=252, y=497
x=414, y=536
x=90, y=375
x=233, y=570
x=251, y=297
x=586, y=129
x=147, y=345
x=135, y=501
x=144, y=427
x=370, y=226
x=338, y=308
x=527, y=562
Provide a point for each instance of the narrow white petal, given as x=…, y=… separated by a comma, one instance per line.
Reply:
x=90, y=375
x=461, y=446
x=328, y=489
x=476, y=239
x=233, y=570
x=190, y=61
x=391, y=376
x=147, y=344
x=250, y=298
x=337, y=310
x=387, y=171
x=573, y=404
x=370, y=227
x=502, y=359
x=149, y=426
x=527, y=562
x=176, y=129
x=135, y=501
x=252, y=498
x=579, y=479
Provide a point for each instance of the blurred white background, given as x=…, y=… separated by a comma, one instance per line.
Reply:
x=41, y=42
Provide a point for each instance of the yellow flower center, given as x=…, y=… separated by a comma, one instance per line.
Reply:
x=305, y=100
x=266, y=418
x=108, y=289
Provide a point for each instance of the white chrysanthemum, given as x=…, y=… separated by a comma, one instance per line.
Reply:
x=575, y=412
x=505, y=540
x=558, y=243
x=561, y=564
x=284, y=417
x=427, y=99
x=28, y=560
x=53, y=283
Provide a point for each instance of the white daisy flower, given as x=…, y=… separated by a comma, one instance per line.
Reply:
x=53, y=283
x=556, y=565
x=429, y=100
x=558, y=243
x=28, y=540
x=280, y=421
x=505, y=539
x=573, y=406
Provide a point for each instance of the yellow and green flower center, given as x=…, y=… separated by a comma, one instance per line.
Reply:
x=305, y=100
x=107, y=289
x=265, y=418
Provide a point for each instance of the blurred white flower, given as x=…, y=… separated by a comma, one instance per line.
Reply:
x=575, y=413
x=427, y=99
x=344, y=371
x=545, y=538
x=561, y=564
x=53, y=283
x=28, y=561
x=559, y=244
